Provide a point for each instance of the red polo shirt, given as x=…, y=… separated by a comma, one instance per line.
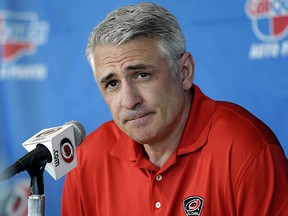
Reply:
x=227, y=163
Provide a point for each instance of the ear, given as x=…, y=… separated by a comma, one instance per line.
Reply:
x=186, y=70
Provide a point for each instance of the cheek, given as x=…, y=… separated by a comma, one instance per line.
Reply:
x=171, y=103
x=113, y=104
x=167, y=94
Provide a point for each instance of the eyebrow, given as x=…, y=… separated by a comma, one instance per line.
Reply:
x=137, y=67
x=106, y=78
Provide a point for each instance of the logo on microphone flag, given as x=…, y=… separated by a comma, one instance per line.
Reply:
x=67, y=150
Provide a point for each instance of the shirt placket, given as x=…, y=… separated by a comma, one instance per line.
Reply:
x=158, y=198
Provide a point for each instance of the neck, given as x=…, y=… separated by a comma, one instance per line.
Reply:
x=160, y=154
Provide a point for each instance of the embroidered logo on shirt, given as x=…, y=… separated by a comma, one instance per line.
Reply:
x=193, y=205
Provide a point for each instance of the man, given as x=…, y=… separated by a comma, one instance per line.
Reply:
x=170, y=150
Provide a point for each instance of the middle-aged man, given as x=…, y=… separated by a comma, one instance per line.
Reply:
x=170, y=150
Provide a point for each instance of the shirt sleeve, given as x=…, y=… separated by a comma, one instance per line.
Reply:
x=71, y=196
x=263, y=188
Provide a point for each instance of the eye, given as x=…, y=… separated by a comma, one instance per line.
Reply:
x=143, y=75
x=111, y=84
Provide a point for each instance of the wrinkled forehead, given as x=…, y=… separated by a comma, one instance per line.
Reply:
x=142, y=48
x=140, y=55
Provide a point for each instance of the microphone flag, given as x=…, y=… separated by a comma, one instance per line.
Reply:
x=60, y=142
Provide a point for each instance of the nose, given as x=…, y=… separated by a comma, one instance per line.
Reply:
x=130, y=97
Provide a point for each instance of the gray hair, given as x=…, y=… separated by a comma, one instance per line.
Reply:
x=140, y=20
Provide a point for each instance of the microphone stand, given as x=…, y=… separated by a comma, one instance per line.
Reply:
x=36, y=200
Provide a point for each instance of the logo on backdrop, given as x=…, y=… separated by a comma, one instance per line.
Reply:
x=269, y=21
x=13, y=200
x=21, y=34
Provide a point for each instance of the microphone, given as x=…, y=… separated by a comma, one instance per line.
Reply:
x=54, y=147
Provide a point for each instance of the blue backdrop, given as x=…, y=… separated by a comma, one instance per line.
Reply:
x=240, y=49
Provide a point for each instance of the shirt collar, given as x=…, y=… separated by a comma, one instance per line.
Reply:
x=198, y=124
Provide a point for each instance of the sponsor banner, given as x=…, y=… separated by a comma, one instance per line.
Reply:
x=21, y=35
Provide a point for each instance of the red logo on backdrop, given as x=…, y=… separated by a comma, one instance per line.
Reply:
x=20, y=34
x=15, y=199
x=269, y=18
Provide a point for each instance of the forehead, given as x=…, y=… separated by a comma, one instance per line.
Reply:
x=135, y=49
x=141, y=52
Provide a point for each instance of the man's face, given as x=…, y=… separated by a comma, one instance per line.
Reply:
x=146, y=102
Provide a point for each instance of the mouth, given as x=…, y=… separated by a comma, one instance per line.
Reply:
x=138, y=117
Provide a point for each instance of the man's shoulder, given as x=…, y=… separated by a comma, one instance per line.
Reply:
x=238, y=120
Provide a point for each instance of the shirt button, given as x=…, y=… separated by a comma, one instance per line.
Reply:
x=159, y=177
x=158, y=205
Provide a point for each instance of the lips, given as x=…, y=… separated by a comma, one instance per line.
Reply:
x=135, y=116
